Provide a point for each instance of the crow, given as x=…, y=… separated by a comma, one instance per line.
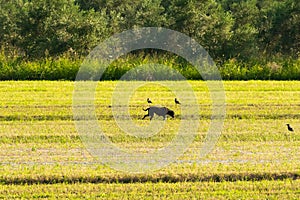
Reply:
x=148, y=100
x=290, y=128
x=176, y=101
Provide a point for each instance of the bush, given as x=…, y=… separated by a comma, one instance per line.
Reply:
x=44, y=69
x=156, y=67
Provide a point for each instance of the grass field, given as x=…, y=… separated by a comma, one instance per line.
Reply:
x=42, y=155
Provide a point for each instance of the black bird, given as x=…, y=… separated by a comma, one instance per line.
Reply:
x=176, y=101
x=290, y=128
x=148, y=100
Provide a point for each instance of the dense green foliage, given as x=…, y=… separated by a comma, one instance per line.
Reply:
x=253, y=32
x=64, y=68
x=226, y=28
x=42, y=155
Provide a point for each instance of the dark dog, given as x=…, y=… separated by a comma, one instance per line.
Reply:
x=161, y=111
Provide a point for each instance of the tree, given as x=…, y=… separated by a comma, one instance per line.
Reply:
x=245, y=14
x=127, y=14
x=279, y=31
x=8, y=26
x=204, y=21
x=56, y=26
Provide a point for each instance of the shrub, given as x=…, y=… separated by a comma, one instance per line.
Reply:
x=66, y=68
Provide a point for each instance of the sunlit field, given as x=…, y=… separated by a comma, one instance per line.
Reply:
x=42, y=154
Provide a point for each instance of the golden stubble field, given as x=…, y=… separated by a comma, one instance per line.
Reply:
x=42, y=154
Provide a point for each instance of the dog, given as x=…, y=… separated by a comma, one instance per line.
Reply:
x=160, y=111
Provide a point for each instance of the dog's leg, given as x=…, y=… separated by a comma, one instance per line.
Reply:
x=145, y=116
x=151, y=116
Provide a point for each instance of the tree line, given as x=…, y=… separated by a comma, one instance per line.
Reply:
x=227, y=29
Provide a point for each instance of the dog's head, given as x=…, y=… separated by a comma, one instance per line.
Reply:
x=171, y=113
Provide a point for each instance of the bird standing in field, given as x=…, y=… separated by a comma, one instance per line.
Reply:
x=290, y=128
x=148, y=100
x=176, y=101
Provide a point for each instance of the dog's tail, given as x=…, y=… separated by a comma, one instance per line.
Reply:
x=146, y=109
